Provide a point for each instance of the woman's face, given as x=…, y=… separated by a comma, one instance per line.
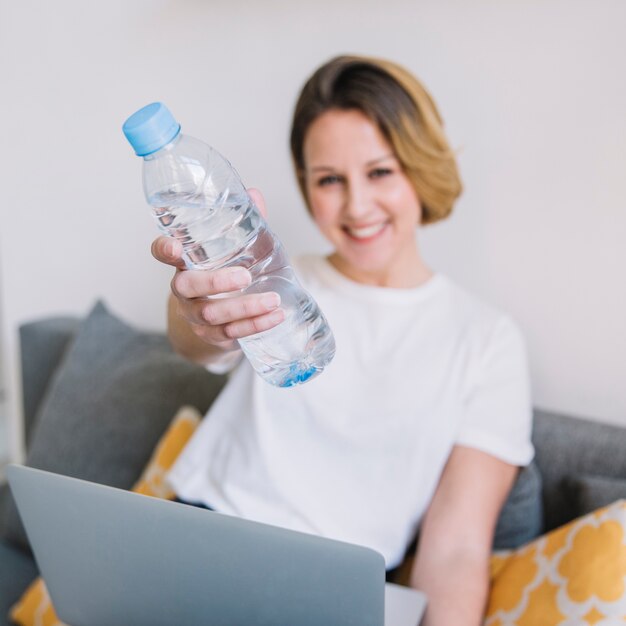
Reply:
x=362, y=201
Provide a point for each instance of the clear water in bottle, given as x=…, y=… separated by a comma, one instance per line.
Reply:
x=198, y=198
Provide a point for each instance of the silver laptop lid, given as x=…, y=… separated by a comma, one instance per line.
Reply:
x=110, y=556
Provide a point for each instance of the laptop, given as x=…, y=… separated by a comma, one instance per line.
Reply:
x=110, y=556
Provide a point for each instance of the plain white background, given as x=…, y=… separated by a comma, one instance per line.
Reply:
x=533, y=96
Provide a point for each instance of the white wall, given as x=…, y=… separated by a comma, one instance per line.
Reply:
x=534, y=97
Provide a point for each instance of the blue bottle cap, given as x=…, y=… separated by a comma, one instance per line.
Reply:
x=150, y=128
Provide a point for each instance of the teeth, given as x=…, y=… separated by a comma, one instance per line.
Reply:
x=366, y=231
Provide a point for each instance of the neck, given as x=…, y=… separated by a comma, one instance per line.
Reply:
x=412, y=273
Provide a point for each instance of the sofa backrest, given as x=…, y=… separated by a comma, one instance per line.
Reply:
x=582, y=464
x=42, y=345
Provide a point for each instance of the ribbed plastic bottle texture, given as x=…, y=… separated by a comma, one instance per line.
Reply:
x=198, y=198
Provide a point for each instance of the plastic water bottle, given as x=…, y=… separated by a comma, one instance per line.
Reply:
x=198, y=198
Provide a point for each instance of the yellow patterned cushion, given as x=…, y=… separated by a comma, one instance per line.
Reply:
x=151, y=482
x=572, y=576
x=34, y=607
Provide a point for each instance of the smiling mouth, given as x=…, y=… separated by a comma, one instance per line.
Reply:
x=365, y=232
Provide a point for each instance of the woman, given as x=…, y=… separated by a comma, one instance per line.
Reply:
x=423, y=418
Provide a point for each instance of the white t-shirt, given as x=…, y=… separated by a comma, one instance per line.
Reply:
x=356, y=453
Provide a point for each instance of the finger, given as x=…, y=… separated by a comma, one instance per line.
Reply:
x=259, y=200
x=226, y=335
x=227, y=310
x=220, y=311
x=214, y=336
x=202, y=283
x=168, y=250
x=251, y=326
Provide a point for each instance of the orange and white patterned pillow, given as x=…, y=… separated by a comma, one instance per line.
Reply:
x=34, y=608
x=152, y=480
x=572, y=576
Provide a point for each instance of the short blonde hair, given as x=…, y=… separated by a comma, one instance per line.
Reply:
x=403, y=111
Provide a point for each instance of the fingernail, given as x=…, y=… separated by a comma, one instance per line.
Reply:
x=270, y=300
x=170, y=248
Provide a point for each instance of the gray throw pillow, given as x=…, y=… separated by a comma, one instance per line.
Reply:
x=594, y=492
x=113, y=395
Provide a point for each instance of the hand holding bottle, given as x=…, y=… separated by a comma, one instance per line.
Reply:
x=210, y=302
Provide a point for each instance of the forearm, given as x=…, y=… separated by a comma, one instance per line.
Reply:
x=456, y=585
x=188, y=344
x=456, y=536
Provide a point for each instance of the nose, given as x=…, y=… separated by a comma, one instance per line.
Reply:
x=357, y=199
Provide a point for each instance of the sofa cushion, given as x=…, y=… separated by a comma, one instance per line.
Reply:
x=567, y=446
x=17, y=570
x=112, y=396
x=592, y=492
x=5, y=496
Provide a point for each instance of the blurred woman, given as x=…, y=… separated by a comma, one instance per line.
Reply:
x=423, y=418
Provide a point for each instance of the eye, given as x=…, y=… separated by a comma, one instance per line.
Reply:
x=329, y=179
x=380, y=172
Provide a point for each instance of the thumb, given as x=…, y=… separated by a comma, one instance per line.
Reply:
x=259, y=201
x=169, y=251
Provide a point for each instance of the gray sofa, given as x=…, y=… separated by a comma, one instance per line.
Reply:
x=99, y=393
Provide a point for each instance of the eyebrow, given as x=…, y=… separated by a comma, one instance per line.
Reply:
x=328, y=168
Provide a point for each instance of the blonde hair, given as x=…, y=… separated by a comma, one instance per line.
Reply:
x=403, y=111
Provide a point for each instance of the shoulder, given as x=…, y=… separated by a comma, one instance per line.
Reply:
x=497, y=415
x=315, y=273
x=307, y=266
x=481, y=322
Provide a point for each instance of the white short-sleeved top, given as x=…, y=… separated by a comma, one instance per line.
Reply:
x=356, y=453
